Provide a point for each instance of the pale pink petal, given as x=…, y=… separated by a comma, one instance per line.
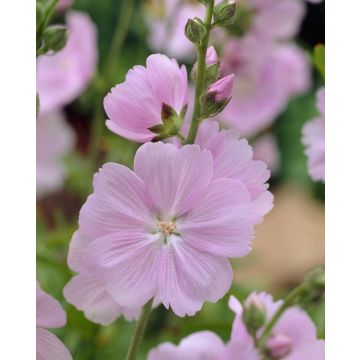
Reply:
x=219, y=223
x=166, y=351
x=168, y=83
x=311, y=350
x=119, y=203
x=127, y=263
x=238, y=350
x=49, y=347
x=176, y=179
x=88, y=294
x=266, y=149
x=49, y=312
x=77, y=248
x=239, y=331
x=188, y=277
x=320, y=100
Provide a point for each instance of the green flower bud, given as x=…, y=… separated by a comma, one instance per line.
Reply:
x=55, y=37
x=314, y=287
x=242, y=20
x=254, y=315
x=195, y=30
x=224, y=13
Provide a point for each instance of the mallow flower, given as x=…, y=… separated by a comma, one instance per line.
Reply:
x=293, y=336
x=54, y=139
x=266, y=77
x=166, y=229
x=63, y=76
x=203, y=345
x=142, y=102
x=266, y=149
x=49, y=314
x=89, y=294
x=313, y=138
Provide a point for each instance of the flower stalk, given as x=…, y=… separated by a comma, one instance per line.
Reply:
x=139, y=331
x=200, y=73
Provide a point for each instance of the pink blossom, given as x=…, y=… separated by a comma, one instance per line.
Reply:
x=313, y=138
x=202, y=345
x=87, y=293
x=54, y=139
x=233, y=159
x=49, y=314
x=266, y=149
x=135, y=105
x=165, y=231
x=293, y=337
x=276, y=19
x=266, y=76
x=63, y=5
x=63, y=76
x=167, y=27
x=211, y=56
x=223, y=87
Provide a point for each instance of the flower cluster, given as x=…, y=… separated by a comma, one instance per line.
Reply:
x=292, y=338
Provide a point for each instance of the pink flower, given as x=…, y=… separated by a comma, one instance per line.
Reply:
x=135, y=105
x=293, y=337
x=165, y=231
x=233, y=159
x=222, y=88
x=63, y=5
x=313, y=138
x=54, y=139
x=49, y=314
x=87, y=293
x=166, y=29
x=202, y=345
x=211, y=56
x=63, y=76
x=266, y=76
x=276, y=19
x=266, y=149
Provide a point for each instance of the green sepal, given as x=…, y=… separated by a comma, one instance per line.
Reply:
x=210, y=107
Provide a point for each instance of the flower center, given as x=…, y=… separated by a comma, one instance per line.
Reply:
x=166, y=227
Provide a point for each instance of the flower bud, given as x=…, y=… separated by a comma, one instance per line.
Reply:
x=195, y=30
x=223, y=88
x=254, y=315
x=224, y=13
x=314, y=286
x=211, y=56
x=278, y=346
x=55, y=37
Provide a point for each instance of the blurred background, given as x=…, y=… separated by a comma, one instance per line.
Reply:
x=287, y=244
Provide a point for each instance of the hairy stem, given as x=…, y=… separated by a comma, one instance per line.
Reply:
x=139, y=331
x=200, y=74
x=289, y=301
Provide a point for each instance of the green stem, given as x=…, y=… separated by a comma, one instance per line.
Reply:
x=200, y=74
x=108, y=79
x=289, y=300
x=139, y=331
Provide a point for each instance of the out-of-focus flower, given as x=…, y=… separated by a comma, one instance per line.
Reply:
x=49, y=314
x=266, y=76
x=202, y=345
x=87, y=293
x=167, y=26
x=293, y=336
x=313, y=138
x=233, y=159
x=136, y=105
x=63, y=76
x=63, y=5
x=266, y=149
x=54, y=139
x=165, y=231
